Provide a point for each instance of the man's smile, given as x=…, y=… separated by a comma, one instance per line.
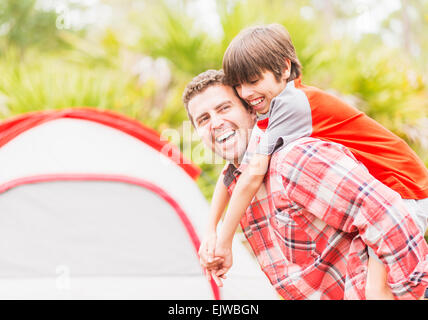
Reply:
x=223, y=137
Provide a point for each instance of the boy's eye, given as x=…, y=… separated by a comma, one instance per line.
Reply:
x=254, y=81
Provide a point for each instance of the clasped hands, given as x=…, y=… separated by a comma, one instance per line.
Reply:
x=215, y=256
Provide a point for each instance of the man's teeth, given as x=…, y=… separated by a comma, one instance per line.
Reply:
x=254, y=102
x=225, y=136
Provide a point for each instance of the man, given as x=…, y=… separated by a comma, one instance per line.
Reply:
x=310, y=223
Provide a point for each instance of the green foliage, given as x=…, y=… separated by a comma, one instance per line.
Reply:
x=99, y=71
x=50, y=82
x=173, y=34
x=28, y=27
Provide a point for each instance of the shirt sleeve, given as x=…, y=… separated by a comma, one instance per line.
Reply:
x=289, y=119
x=331, y=184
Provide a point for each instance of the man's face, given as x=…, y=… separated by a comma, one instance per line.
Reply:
x=222, y=121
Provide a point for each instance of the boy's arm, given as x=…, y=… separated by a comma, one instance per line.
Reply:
x=218, y=204
x=246, y=188
x=289, y=119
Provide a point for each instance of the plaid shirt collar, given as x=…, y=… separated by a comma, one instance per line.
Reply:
x=230, y=175
x=311, y=221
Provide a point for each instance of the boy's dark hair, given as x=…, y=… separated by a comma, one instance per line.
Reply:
x=257, y=49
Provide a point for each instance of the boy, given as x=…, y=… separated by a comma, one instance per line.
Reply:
x=262, y=66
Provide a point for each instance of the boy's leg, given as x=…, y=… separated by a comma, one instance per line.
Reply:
x=418, y=209
x=421, y=209
x=376, y=286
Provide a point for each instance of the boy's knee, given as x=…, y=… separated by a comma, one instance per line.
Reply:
x=378, y=292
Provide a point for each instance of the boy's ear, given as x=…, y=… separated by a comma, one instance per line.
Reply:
x=288, y=63
x=287, y=69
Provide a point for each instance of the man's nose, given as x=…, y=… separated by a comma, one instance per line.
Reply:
x=216, y=121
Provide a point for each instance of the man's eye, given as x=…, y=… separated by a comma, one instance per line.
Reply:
x=202, y=120
x=224, y=108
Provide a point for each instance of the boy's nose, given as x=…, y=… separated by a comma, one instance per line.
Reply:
x=246, y=91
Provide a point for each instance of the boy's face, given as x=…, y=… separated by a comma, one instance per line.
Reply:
x=260, y=91
x=222, y=121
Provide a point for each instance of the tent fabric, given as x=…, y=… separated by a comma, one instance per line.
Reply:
x=95, y=205
x=94, y=234
x=15, y=126
x=80, y=146
x=119, y=288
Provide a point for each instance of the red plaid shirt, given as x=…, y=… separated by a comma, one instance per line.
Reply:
x=310, y=223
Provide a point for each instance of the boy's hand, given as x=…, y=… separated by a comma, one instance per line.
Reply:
x=223, y=251
x=211, y=270
x=217, y=279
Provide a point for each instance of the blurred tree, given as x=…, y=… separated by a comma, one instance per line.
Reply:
x=410, y=24
x=167, y=31
x=22, y=25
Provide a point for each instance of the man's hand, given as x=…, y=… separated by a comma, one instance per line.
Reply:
x=207, y=248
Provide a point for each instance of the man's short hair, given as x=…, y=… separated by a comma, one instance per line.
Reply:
x=257, y=49
x=200, y=83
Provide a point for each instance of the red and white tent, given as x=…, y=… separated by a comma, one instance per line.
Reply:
x=93, y=205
